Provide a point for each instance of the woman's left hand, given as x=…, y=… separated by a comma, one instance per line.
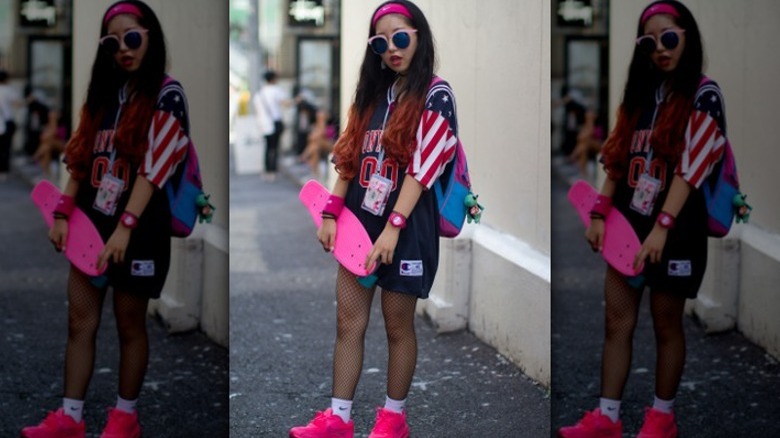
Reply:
x=115, y=247
x=652, y=247
x=384, y=247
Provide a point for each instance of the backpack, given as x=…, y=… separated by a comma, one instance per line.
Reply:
x=722, y=185
x=185, y=187
x=453, y=185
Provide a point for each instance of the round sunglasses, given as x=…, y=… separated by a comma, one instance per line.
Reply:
x=669, y=39
x=400, y=38
x=132, y=39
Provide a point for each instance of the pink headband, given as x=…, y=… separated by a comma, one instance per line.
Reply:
x=661, y=8
x=122, y=8
x=391, y=8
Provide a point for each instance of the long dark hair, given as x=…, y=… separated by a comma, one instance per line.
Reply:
x=106, y=79
x=643, y=80
x=399, y=136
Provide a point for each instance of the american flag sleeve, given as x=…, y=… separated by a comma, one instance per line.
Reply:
x=705, y=138
x=436, y=138
x=167, y=138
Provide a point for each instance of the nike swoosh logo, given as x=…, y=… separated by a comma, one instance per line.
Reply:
x=341, y=408
x=610, y=409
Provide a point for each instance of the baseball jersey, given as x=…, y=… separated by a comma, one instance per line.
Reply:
x=684, y=257
x=417, y=253
x=147, y=256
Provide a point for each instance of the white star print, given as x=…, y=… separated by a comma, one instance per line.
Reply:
x=714, y=98
x=445, y=98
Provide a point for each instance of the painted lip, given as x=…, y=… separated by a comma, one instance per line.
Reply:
x=127, y=61
x=395, y=60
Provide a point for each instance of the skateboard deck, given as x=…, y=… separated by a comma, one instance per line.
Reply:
x=83, y=244
x=352, y=241
x=620, y=241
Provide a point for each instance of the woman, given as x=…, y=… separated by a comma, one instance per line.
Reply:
x=132, y=119
x=381, y=157
x=669, y=135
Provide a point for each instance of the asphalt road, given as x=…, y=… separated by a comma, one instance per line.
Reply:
x=282, y=308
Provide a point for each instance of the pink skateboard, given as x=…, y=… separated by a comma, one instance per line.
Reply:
x=620, y=242
x=352, y=241
x=83, y=243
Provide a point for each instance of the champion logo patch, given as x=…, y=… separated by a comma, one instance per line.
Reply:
x=142, y=268
x=411, y=268
x=679, y=268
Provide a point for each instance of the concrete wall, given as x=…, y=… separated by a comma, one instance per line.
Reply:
x=196, y=33
x=495, y=279
x=740, y=54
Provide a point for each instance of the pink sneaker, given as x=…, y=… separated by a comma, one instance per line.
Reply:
x=324, y=425
x=389, y=424
x=56, y=425
x=121, y=425
x=658, y=425
x=593, y=425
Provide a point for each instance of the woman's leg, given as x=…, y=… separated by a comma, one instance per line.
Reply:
x=130, y=312
x=622, y=307
x=398, y=311
x=85, y=304
x=353, y=309
x=667, y=310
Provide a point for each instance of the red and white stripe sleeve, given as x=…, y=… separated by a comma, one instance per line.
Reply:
x=435, y=148
x=704, y=145
x=167, y=148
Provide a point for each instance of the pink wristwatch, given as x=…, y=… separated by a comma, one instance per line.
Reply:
x=129, y=220
x=397, y=220
x=665, y=220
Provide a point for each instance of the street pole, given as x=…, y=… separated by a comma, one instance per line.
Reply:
x=254, y=46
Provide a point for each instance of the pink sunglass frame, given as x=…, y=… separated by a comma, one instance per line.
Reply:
x=120, y=40
x=655, y=40
x=389, y=40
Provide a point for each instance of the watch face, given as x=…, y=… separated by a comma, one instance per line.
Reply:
x=396, y=221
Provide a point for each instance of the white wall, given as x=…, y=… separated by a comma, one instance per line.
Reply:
x=496, y=56
x=741, y=55
x=196, y=34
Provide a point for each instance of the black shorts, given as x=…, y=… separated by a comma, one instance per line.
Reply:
x=684, y=258
x=682, y=265
x=145, y=267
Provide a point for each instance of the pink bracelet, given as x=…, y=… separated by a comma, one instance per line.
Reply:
x=334, y=206
x=65, y=205
x=602, y=206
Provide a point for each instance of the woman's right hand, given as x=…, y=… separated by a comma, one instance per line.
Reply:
x=58, y=234
x=595, y=234
x=327, y=234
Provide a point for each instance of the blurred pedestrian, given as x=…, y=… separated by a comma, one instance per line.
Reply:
x=132, y=135
x=37, y=117
x=270, y=101
x=52, y=142
x=383, y=178
x=589, y=141
x=319, y=143
x=8, y=100
x=670, y=133
x=573, y=118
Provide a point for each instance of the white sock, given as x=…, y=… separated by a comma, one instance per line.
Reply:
x=610, y=408
x=126, y=405
x=396, y=406
x=665, y=406
x=74, y=408
x=342, y=408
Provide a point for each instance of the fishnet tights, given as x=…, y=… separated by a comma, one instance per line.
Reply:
x=85, y=304
x=622, y=307
x=353, y=311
